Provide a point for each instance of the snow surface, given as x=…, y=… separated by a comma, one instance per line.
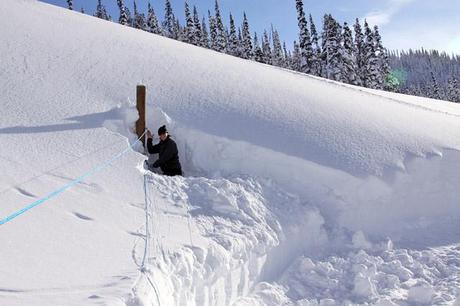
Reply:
x=299, y=190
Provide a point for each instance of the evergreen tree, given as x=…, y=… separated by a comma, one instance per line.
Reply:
x=189, y=31
x=349, y=60
x=70, y=4
x=204, y=35
x=169, y=22
x=139, y=19
x=453, y=90
x=198, y=32
x=277, y=53
x=258, y=55
x=306, y=51
x=178, y=31
x=434, y=91
x=266, y=49
x=295, y=62
x=382, y=59
x=240, y=43
x=287, y=57
x=332, y=49
x=124, y=17
x=82, y=10
x=212, y=32
x=316, y=59
x=371, y=69
x=232, y=47
x=359, y=52
x=101, y=11
x=221, y=39
x=246, y=39
x=152, y=21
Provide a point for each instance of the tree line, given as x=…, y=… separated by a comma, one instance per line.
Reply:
x=349, y=54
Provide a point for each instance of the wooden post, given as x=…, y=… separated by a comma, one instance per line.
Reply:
x=140, y=124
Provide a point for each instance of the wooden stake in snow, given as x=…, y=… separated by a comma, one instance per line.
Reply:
x=140, y=123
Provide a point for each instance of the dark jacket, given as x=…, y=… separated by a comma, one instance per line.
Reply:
x=168, y=159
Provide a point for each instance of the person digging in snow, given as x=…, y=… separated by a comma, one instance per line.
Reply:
x=168, y=159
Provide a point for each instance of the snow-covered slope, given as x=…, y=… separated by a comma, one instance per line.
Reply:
x=298, y=190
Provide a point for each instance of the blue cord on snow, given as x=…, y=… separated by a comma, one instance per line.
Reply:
x=71, y=184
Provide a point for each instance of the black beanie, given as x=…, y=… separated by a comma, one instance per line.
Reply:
x=162, y=130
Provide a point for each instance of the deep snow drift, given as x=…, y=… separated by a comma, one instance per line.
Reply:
x=299, y=191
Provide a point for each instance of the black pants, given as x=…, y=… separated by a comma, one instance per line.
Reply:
x=172, y=172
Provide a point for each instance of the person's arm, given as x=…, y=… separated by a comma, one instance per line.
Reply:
x=153, y=149
x=167, y=154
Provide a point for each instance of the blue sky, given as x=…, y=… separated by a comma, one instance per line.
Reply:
x=404, y=24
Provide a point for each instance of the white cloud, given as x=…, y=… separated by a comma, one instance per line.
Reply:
x=382, y=17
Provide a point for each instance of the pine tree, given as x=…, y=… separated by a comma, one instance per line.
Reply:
x=232, y=47
x=82, y=10
x=306, y=51
x=124, y=17
x=212, y=32
x=101, y=11
x=70, y=4
x=453, y=90
x=258, y=55
x=277, y=53
x=221, y=39
x=198, y=32
x=246, y=39
x=434, y=91
x=287, y=57
x=169, y=22
x=371, y=70
x=316, y=59
x=152, y=21
x=332, y=49
x=382, y=59
x=349, y=60
x=178, y=31
x=189, y=31
x=139, y=19
x=204, y=35
x=266, y=49
x=295, y=62
x=359, y=53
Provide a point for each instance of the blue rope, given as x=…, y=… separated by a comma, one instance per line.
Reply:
x=71, y=184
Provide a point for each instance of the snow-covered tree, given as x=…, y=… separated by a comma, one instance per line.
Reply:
x=258, y=55
x=382, y=59
x=198, y=32
x=277, y=52
x=349, y=61
x=221, y=38
x=232, y=46
x=189, y=30
x=139, y=19
x=169, y=22
x=306, y=51
x=101, y=11
x=453, y=90
x=246, y=39
x=82, y=10
x=359, y=52
x=70, y=4
x=331, y=56
x=371, y=68
x=152, y=21
x=124, y=15
x=435, y=91
x=266, y=49
x=212, y=32
x=295, y=61
x=316, y=58
x=204, y=35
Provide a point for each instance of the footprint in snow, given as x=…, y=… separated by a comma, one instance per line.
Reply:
x=25, y=193
x=83, y=217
